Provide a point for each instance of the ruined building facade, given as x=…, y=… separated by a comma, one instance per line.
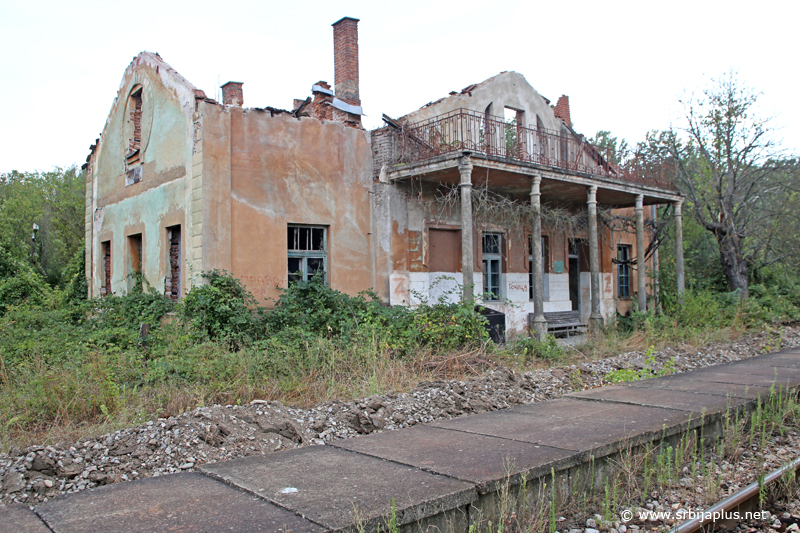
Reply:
x=179, y=184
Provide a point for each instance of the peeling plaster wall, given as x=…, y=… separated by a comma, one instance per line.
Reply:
x=507, y=89
x=613, y=239
x=262, y=173
x=158, y=200
x=411, y=281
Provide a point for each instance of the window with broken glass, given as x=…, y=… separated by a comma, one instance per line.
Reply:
x=307, y=251
x=492, y=265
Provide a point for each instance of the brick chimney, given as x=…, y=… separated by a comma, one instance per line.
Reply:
x=323, y=95
x=562, y=109
x=345, y=57
x=232, y=93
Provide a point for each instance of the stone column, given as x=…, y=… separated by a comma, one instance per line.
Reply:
x=596, y=318
x=641, y=271
x=465, y=169
x=679, y=251
x=539, y=330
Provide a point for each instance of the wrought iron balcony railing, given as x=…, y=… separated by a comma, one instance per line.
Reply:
x=463, y=129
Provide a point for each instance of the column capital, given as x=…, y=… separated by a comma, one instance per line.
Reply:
x=592, y=194
x=678, y=208
x=464, y=163
x=639, y=202
x=535, y=182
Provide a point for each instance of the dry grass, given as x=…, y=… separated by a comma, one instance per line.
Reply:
x=348, y=376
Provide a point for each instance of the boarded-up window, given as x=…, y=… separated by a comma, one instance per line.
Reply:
x=133, y=155
x=445, y=250
x=134, y=260
x=172, y=283
x=105, y=274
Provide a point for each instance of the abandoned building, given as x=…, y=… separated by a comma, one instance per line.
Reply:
x=488, y=190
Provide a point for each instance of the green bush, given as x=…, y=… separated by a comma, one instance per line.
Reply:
x=220, y=310
x=312, y=309
x=528, y=348
x=315, y=308
x=25, y=287
x=76, y=289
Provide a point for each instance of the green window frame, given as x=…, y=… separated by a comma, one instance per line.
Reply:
x=492, y=266
x=307, y=251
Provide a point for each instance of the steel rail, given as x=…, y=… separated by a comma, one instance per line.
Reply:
x=734, y=501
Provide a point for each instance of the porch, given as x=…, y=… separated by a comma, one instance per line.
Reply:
x=468, y=150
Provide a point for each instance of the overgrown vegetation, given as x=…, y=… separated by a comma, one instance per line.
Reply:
x=68, y=362
x=71, y=362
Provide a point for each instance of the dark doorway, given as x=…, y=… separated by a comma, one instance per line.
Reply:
x=574, y=256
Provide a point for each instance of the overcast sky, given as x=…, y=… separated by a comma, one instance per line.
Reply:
x=624, y=65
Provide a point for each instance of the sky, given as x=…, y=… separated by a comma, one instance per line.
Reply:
x=624, y=65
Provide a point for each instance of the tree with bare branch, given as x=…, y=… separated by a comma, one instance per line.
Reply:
x=739, y=183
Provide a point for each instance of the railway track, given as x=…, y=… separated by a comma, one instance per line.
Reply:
x=731, y=510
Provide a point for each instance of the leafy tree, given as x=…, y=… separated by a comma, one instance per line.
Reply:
x=612, y=148
x=51, y=201
x=738, y=183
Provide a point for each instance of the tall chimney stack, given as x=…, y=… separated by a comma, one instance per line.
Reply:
x=232, y=93
x=345, y=56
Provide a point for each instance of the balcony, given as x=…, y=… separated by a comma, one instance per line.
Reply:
x=465, y=130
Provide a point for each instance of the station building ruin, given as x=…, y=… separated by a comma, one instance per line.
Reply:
x=179, y=184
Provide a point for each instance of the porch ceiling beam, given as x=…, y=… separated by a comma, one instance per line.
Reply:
x=578, y=179
x=450, y=161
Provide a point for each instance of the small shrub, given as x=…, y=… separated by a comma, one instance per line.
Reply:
x=528, y=348
x=220, y=310
x=648, y=371
x=447, y=326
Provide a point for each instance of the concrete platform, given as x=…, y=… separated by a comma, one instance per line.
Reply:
x=188, y=502
x=439, y=476
x=17, y=518
x=762, y=367
x=479, y=459
x=748, y=392
x=608, y=430
x=785, y=359
x=334, y=487
x=691, y=402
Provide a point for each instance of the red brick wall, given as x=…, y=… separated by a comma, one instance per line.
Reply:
x=232, y=94
x=562, y=109
x=172, y=283
x=106, y=249
x=136, y=119
x=320, y=107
